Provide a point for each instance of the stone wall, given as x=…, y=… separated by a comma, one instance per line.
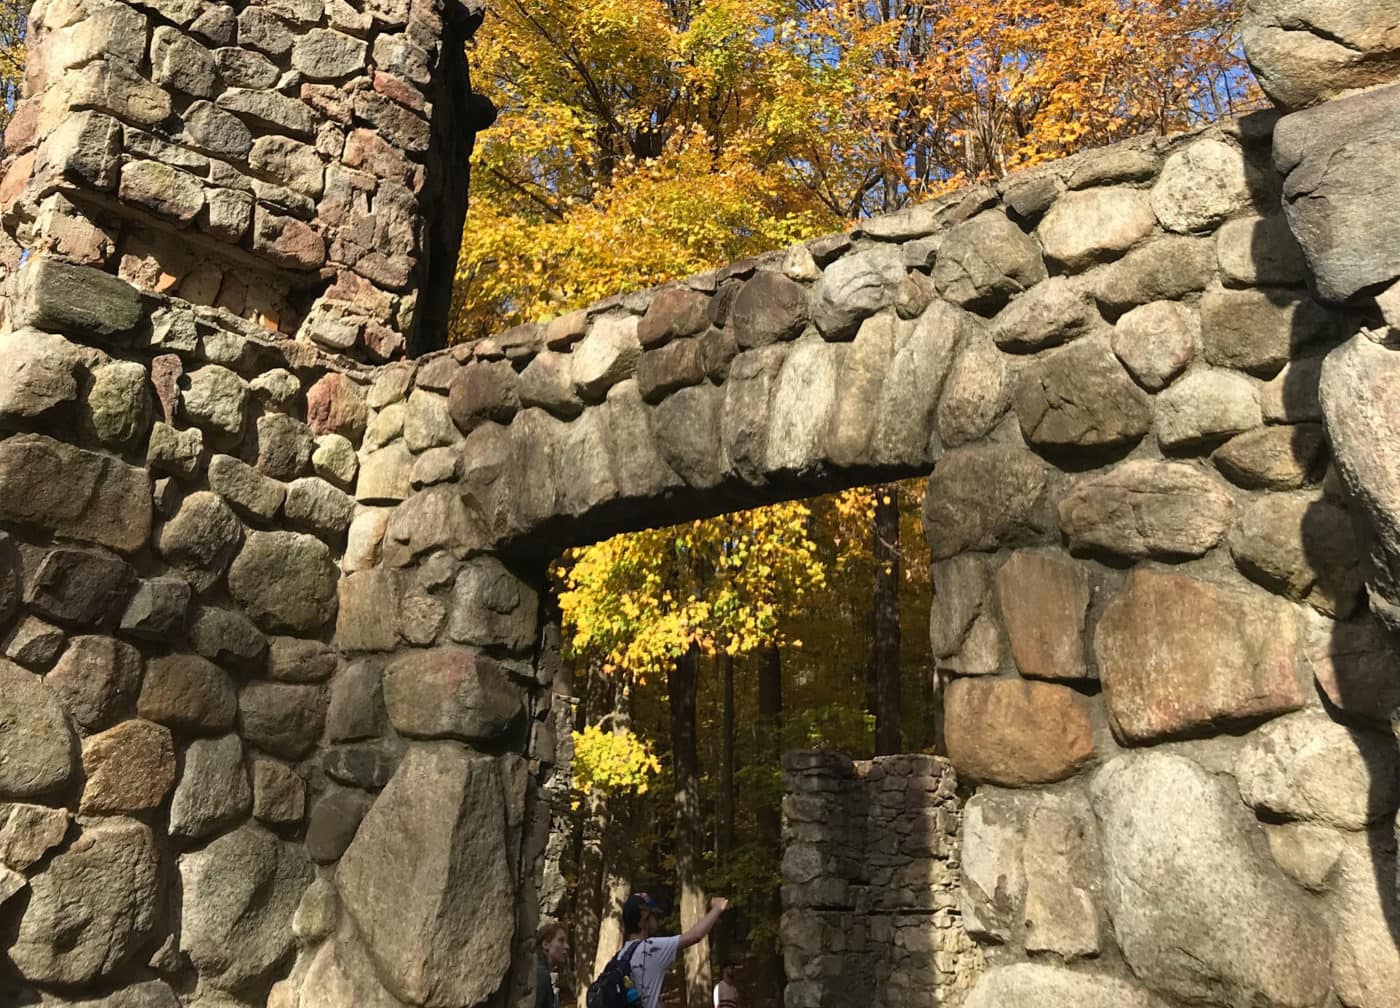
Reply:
x=277, y=160
x=870, y=883
x=278, y=660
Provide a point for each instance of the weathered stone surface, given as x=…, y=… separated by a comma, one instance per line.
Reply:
x=323, y=54
x=285, y=581
x=1363, y=420
x=336, y=405
x=1275, y=458
x=1305, y=53
x=285, y=445
x=283, y=719
x=1207, y=404
x=1302, y=546
x=78, y=300
x=427, y=881
x=1308, y=767
x=677, y=365
x=1044, y=602
x=189, y=694
x=385, y=475
x=213, y=131
x=491, y=607
x=744, y=419
x=74, y=493
x=247, y=490
x=1199, y=915
x=1341, y=167
x=367, y=613
x=1365, y=959
x=226, y=635
x=769, y=308
x=907, y=412
x=201, y=539
x=333, y=822
x=801, y=408
x=157, y=608
x=1259, y=331
x=1307, y=853
x=357, y=704
x=984, y=262
x=1039, y=984
x=1357, y=667
x=268, y=110
x=1095, y=225
x=215, y=400
x=427, y=423
x=296, y=660
x=1164, y=270
x=1081, y=397
x=334, y=461
x=213, y=792
x=1260, y=252
x=674, y=312
x=547, y=382
x=1013, y=733
x=180, y=62
x=35, y=644
x=239, y=896
x=686, y=428
x=28, y=832
x=129, y=769
x=1179, y=656
x=37, y=749
x=985, y=497
x=97, y=680
x=853, y=288
x=450, y=693
x=1052, y=312
x=1146, y=508
x=315, y=505
x=962, y=585
x=279, y=794
x=108, y=880
x=84, y=588
x=864, y=367
x=1200, y=186
x=1156, y=341
x=175, y=452
x=40, y=376
x=606, y=356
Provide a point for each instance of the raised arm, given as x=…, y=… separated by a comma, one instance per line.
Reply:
x=702, y=927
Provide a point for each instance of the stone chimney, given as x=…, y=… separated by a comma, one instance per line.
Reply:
x=281, y=160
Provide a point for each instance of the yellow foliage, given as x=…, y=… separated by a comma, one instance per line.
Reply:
x=613, y=760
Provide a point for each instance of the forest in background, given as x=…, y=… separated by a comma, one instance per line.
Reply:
x=641, y=141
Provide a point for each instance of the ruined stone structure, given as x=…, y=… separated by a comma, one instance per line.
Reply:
x=275, y=700
x=870, y=883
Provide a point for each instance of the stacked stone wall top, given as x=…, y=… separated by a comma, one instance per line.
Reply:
x=274, y=160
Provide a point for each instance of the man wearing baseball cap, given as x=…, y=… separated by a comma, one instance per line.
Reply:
x=651, y=956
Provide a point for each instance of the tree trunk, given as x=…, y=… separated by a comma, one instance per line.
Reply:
x=724, y=826
x=689, y=836
x=769, y=816
x=885, y=646
x=596, y=930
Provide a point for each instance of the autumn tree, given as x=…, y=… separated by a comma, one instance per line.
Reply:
x=14, y=16
x=654, y=603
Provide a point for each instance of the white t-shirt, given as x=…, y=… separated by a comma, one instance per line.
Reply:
x=650, y=960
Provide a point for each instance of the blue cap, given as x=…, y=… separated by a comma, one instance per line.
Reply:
x=632, y=909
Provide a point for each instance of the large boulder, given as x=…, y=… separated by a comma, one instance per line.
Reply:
x=1045, y=604
x=97, y=679
x=285, y=581
x=1199, y=913
x=1366, y=957
x=1178, y=656
x=74, y=493
x=984, y=262
x=129, y=769
x=1146, y=508
x=1023, y=984
x=984, y=497
x=240, y=893
x=429, y=879
x=1363, y=422
x=1081, y=397
x=855, y=287
x=1015, y=733
x=37, y=748
x=1307, y=51
x=1342, y=162
x=1308, y=767
x=213, y=792
x=91, y=910
x=450, y=693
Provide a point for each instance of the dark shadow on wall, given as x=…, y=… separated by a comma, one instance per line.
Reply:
x=1354, y=662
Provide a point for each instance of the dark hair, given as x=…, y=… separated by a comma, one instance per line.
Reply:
x=546, y=933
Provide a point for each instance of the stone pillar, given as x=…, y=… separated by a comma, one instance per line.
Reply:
x=279, y=161
x=1336, y=67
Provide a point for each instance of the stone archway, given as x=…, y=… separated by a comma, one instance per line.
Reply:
x=301, y=595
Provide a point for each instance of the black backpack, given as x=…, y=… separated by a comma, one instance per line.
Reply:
x=614, y=984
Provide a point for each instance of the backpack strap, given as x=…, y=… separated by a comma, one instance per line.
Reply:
x=627, y=951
